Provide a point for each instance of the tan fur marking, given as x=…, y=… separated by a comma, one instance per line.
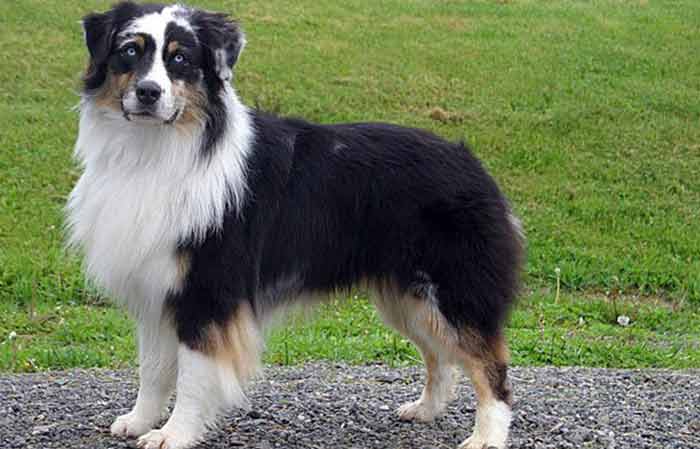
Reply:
x=237, y=345
x=499, y=347
x=140, y=41
x=193, y=101
x=486, y=363
x=432, y=365
x=476, y=370
x=113, y=89
x=172, y=46
x=413, y=316
x=183, y=267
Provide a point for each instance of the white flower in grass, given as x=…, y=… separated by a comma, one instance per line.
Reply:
x=10, y=338
x=623, y=320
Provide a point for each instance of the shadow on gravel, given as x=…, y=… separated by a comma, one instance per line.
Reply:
x=335, y=406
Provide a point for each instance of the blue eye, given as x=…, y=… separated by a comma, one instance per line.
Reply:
x=129, y=52
x=179, y=59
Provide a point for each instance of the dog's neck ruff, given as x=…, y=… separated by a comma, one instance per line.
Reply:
x=145, y=189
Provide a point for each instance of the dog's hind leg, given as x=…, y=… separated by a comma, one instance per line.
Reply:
x=442, y=346
x=157, y=344
x=414, y=319
x=484, y=360
x=211, y=376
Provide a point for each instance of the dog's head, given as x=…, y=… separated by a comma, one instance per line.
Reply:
x=159, y=64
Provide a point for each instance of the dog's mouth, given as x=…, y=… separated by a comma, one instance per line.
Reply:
x=150, y=116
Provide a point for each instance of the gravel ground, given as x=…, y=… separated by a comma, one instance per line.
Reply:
x=336, y=406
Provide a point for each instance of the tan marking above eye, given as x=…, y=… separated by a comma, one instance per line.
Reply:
x=140, y=41
x=172, y=46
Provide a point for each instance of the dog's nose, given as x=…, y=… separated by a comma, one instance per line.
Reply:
x=148, y=92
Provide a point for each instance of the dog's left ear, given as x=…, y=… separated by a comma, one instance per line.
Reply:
x=99, y=30
x=222, y=39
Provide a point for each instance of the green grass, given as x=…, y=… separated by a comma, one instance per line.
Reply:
x=575, y=330
x=586, y=112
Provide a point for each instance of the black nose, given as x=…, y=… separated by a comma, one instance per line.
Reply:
x=148, y=92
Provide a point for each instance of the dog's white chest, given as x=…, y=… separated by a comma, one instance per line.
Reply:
x=144, y=190
x=128, y=224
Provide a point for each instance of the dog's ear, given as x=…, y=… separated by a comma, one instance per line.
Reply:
x=222, y=40
x=99, y=32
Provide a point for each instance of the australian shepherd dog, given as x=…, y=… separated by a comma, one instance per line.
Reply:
x=205, y=218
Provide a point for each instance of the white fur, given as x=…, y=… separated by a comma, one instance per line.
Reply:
x=145, y=187
x=492, y=424
x=157, y=376
x=433, y=400
x=222, y=69
x=205, y=390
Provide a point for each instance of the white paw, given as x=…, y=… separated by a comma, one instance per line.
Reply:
x=417, y=411
x=162, y=439
x=490, y=428
x=130, y=425
x=476, y=442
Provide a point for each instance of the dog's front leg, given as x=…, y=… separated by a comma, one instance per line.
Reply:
x=157, y=344
x=211, y=375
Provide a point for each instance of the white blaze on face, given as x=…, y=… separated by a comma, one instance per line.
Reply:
x=155, y=25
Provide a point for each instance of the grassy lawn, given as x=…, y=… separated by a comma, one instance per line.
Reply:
x=587, y=113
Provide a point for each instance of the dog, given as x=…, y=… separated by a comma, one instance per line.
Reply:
x=204, y=218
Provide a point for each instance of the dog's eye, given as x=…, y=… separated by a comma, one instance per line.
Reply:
x=178, y=59
x=129, y=52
